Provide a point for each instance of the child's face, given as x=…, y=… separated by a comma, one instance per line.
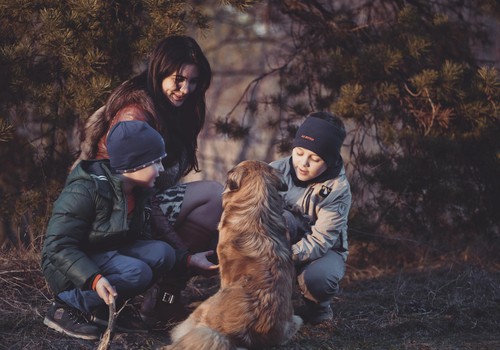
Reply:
x=308, y=165
x=146, y=177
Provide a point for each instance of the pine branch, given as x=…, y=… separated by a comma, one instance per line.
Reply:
x=6, y=130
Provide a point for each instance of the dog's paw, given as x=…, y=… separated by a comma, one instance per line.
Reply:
x=298, y=321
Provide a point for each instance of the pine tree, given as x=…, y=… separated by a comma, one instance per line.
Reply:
x=422, y=111
x=59, y=60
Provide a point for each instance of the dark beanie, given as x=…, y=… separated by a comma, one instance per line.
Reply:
x=134, y=145
x=321, y=137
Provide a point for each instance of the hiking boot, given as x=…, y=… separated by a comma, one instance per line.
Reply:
x=70, y=321
x=314, y=314
x=160, y=305
x=127, y=321
x=320, y=314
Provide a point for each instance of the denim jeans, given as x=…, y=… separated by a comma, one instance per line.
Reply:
x=131, y=269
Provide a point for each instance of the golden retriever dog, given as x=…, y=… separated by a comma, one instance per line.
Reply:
x=253, y=307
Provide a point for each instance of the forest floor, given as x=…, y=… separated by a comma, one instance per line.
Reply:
x=436, y=306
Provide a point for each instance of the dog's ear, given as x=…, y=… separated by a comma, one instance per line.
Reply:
x=234, y=177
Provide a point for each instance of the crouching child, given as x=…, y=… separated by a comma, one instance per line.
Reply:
x=98, y=246
x=319, y=199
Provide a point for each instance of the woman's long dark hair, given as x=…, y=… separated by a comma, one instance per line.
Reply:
x=180, y=125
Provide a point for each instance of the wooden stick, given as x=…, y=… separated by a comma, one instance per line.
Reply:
x=105, y=342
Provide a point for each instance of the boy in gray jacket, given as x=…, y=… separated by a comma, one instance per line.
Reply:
x=319, y=199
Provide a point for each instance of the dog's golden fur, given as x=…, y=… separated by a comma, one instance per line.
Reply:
x=253, y=308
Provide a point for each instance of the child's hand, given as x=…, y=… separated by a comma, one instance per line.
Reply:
x=105, y=290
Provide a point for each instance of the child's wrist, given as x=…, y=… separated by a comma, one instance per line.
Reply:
x=96, y=279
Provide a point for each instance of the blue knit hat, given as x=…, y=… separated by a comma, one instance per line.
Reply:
x=134, y=145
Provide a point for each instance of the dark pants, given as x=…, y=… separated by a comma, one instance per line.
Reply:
x=319, y=280
x=130, y=269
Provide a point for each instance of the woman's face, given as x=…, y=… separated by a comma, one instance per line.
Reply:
x=180, y=84
x=308, y=165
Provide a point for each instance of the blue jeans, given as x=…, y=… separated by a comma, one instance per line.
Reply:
x=131, y=269
x=319, y=280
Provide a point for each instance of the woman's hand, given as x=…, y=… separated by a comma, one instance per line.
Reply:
x=200, y=260
x=105, y=290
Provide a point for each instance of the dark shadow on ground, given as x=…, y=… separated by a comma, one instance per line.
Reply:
x=430, y=307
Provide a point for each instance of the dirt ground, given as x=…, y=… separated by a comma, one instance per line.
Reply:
x=437, y=306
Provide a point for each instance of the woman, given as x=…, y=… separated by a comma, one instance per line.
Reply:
x=170, y=96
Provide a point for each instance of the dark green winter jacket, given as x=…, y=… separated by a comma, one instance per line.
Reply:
x=90, y=215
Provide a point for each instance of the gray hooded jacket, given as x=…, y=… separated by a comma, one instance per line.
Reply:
x=326, y=205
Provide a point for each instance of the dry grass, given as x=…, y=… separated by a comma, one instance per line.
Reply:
x=437, y=306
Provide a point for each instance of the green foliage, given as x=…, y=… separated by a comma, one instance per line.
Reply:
x=421, y=109
x=59, y=60
x=5, y=131
x=71, y=53
x=231, y=128
x=241, y=5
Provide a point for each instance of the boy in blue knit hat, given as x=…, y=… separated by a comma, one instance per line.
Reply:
x=98, y=247
x=320, y=198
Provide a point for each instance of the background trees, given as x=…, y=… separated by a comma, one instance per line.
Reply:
x=422, y=107
x=411, y=79
x=59, y=60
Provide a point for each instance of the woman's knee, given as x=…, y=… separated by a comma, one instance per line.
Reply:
x=202, y=204
x=215, y=190
x=204, y=192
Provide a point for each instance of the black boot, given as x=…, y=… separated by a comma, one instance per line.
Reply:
x=315, y=313
x=162, y=303
x=70, y=321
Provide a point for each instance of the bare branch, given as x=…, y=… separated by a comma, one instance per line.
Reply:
x=105, y=342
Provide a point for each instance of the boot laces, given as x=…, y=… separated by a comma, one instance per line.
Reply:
x=77, y=316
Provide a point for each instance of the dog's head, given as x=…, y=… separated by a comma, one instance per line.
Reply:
x=252, y=203
x=250, y=174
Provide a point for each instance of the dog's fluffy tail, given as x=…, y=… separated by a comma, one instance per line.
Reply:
x=202, y=338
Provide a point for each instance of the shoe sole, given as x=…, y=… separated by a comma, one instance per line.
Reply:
x=51, y=324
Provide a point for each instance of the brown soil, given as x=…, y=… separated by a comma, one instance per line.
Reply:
x=440, y=306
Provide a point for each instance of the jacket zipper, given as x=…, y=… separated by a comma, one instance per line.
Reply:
x=306, y=200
